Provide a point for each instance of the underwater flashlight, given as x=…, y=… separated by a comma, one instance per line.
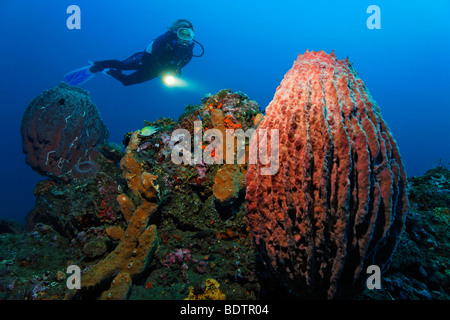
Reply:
x=168, y=80
x=171, y=80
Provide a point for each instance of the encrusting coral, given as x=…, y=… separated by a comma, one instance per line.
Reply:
x=211, y=292
x=139, y=242
x=230, y=178
x=228, y=183
x=338, y=201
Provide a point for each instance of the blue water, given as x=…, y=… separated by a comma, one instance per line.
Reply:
x=249, y=45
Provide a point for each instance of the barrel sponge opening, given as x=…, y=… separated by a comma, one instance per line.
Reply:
x=85, y=169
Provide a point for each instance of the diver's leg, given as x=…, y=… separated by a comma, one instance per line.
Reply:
x=132, y=63
x=134, y=78
x=99, y=66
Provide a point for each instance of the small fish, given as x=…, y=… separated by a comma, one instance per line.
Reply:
x=148, y=131
x=200, y=118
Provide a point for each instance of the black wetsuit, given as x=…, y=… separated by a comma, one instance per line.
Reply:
x=166, y=55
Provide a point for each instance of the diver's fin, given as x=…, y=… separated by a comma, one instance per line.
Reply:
x=105, y=71
x=79, y=76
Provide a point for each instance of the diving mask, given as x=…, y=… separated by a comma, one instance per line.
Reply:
x=185, y=34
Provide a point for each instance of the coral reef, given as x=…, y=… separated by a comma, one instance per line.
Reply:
x=120, y=287
x=228, y=183
x=199, y=236
x=106, y=223
x=139, y=242
x=338, y=202
x=74, y=206
x=33, y=264
x=61, y=129
x=420, y=268
x=210, y=291
x=432, y=190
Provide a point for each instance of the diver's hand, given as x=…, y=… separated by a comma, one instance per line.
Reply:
x=173, y=70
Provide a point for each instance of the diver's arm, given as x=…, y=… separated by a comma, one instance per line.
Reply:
x=159, y=46
x=176, y=68
x=187, y=57
x=184, y=61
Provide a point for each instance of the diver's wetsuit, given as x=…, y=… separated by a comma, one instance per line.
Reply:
x=162, y=55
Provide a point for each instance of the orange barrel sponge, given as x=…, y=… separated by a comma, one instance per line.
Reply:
x=338, y=201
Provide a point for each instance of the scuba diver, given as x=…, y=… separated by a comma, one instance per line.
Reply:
x=167, y=54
